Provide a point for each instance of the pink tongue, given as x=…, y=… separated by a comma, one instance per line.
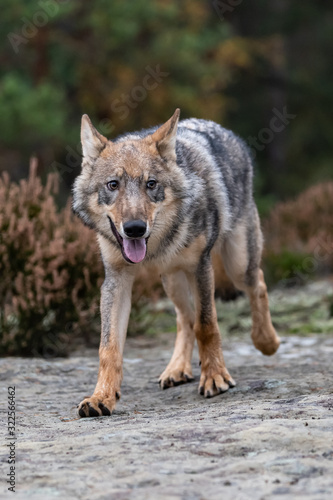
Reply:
x=135, y=250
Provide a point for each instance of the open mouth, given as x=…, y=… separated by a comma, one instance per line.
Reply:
x=133, y=249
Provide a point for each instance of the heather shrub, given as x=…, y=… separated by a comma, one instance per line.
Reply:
x=51, y=273
x=299, y=236
x=50, y=269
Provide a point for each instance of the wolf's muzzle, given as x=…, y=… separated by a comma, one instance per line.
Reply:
x=132, y=248
x=135, y=228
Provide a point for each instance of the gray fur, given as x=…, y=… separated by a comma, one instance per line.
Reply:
x=217, y=164
x=216, y=187
x=200, y=209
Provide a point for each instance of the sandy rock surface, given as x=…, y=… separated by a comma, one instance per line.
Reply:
x=270, y=437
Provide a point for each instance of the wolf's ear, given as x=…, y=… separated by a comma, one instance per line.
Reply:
x=165, y=136
x=92, y=141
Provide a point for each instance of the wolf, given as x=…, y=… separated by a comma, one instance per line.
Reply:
x=177, y=199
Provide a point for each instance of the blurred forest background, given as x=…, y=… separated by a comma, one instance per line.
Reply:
x=263, y=69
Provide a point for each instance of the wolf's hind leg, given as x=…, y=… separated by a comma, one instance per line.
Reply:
x=179, y=369
x=263, y=334
x=241, y=256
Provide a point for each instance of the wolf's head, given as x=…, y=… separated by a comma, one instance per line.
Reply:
x=129, y=190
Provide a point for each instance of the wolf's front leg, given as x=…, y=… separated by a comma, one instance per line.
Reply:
x=115, y=310
x=215, y=377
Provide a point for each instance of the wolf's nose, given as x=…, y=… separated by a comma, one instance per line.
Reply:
x=135, y=228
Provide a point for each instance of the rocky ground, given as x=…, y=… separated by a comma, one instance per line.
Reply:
x=269, y=437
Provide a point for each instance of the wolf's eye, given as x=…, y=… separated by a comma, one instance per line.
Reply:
x=151, y=184
x=112, y=185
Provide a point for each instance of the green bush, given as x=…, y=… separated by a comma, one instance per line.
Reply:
x=285, y=266
x=299, y=236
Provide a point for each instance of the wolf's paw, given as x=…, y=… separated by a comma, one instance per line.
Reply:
x=176, y=374
x=96, y=406
x=214, y=382
x=266, y=340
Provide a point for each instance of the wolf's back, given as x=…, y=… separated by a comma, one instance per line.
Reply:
x=219, y=154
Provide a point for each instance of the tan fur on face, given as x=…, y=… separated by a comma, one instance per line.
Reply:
x=111, y=254
x=138, y=160
x=131, y=156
